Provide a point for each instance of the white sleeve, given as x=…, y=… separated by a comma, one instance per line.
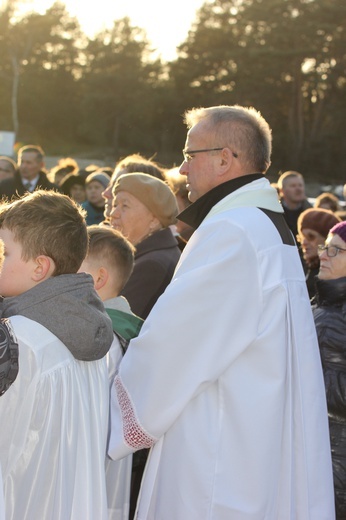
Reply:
x=197, y=328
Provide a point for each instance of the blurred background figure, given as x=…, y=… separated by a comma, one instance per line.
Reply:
x=65, y=165
x=313, y=228
x=291, y=189
x=88, y=170
x=30, y=176
x=327, y=201
x=94, y=204
x=329, y=309
x=73, y=185
x=177, y=183
x=8, y=167
x=129, y=164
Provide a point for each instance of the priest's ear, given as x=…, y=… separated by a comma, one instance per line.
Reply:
x=44, y=268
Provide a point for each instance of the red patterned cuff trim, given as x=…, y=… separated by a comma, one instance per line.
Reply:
x=135, y=436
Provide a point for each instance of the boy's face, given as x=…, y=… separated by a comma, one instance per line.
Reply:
x=15, y=273
x=94, y=190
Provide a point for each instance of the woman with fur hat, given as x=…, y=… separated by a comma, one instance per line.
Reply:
x=329, y=309
x=313, y=228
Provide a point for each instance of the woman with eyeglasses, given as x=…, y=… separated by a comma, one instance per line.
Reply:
x=329, y=309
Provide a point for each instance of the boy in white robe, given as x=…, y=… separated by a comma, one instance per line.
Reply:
x=224, y=381
x=55, y=336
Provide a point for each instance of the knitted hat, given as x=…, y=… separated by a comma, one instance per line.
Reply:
x=317, y=219
x=339, y=229
x=102, y=178
x=155, y=194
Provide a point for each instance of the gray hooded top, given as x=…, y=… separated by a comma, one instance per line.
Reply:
x=70, y=308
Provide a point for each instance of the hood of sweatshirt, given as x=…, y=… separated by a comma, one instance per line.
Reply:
x=69, y=307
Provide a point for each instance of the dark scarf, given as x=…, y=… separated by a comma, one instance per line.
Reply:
x=194, y=214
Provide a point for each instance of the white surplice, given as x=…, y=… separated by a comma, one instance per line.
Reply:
x=2, y=505
x=118, y=472
x=225, y=380
x=54, y=422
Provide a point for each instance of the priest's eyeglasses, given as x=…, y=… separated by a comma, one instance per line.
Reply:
x=188, y=154
x=331, y=250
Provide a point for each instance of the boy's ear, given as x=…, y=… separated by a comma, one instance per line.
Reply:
x=44, y=268
x=101, y=278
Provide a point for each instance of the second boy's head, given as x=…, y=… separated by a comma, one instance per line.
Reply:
x=43, y=234
x=110, y=260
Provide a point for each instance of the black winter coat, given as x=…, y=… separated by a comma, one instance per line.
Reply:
x=155, y=261
x=329, y=309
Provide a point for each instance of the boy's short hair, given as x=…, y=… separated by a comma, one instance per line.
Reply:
x=109, y=245
x=48, y=223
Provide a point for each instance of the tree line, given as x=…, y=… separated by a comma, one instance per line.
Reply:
x=110, y=95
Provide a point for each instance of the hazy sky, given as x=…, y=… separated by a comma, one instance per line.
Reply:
x=166, y=23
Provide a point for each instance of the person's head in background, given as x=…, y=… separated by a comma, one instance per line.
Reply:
x=333, y=254
x=88, y=170
x=110, y=260
x=313, y=228
x=65, y=166
x=43, y=234
x=130, y=164
x=8, y=167
x=73, y=185
x=177, y=183
x=95, y=184
x=106, y=169
x=30, y=161
x=291, y=188
x=327, y=201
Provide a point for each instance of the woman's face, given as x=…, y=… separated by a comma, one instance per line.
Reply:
x=335, y=266
x=132, y=218
x=310, y=240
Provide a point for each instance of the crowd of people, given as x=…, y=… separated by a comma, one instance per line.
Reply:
x=172, y=339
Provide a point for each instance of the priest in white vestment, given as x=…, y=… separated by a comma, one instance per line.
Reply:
x=224, y=382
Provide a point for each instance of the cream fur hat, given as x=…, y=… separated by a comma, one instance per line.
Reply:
x=155, y=194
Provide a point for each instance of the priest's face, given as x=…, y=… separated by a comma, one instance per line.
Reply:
x=200, y=167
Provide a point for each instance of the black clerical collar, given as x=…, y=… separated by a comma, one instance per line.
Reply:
x=194, y=214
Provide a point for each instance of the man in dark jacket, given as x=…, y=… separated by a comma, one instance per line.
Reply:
x=30, y=175
x=292, y=196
